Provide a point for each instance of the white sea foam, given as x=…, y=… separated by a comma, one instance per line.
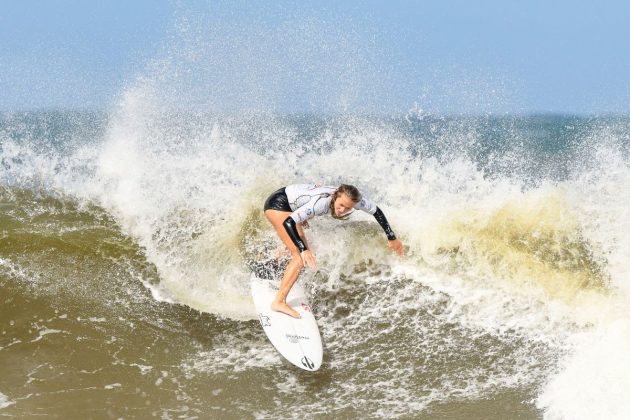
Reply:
x=5, y=401
x=511, y=280
x=540, y=268
x=14, y=270
x=593, y=381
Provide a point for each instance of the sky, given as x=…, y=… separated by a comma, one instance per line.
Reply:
x=319, y=56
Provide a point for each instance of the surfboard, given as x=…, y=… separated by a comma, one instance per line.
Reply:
x=297, y=340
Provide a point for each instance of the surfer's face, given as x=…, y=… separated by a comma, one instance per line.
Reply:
x=343, y=205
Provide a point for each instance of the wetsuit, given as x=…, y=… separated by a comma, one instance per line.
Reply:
x=305, y=201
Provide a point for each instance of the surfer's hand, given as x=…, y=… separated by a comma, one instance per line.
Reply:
x=308, y=259
x=396, y=246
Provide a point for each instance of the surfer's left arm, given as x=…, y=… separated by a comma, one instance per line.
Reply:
x=392, y=242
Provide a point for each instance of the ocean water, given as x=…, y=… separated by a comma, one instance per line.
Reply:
x=127, y=239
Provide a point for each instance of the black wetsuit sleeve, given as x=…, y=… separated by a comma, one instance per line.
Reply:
x=291, y=228
x=382, y=220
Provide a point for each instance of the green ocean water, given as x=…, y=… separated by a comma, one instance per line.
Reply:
x=127, y=241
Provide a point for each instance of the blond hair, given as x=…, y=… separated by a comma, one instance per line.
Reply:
x=351, y=191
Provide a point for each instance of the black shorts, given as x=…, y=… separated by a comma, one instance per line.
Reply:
x=278, y=201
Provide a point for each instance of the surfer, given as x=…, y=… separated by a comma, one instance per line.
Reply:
x=289, y=209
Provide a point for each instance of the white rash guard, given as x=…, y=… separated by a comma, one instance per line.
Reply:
x=310, y=200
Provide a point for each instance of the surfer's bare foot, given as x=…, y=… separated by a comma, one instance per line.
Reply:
x=285, y=309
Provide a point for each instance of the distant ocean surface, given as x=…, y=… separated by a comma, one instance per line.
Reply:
x=127, y=240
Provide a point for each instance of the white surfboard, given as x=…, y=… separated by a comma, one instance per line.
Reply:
x=298, y=340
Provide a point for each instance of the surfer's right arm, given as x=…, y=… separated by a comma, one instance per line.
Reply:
x=370, y=207
x=307, y=256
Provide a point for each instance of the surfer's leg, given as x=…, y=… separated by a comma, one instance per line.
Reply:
x=291, y=274
x=294, y=267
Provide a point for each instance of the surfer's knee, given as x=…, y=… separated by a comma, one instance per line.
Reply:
x=297, y=260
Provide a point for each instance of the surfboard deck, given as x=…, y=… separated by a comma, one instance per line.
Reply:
x=297, y=340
